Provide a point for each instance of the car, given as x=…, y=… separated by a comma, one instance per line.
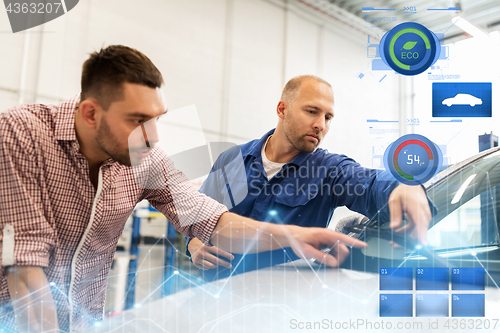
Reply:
x=465, y=229
x=303, y=295
x=463, y=99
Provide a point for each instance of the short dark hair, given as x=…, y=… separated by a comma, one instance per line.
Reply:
x=292, y=87
x=105, y=72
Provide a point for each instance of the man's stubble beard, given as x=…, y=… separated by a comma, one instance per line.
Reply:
x=108, y=143
x=294, y=138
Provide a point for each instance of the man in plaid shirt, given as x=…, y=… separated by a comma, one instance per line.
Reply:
x=71, y=175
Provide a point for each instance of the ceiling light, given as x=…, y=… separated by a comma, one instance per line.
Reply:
x=468, y=27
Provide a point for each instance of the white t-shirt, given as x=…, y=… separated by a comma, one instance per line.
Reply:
x=271, y=168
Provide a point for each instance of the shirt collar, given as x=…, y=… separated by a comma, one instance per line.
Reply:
x=256, y=149
x=65, y=120
x=301, y=158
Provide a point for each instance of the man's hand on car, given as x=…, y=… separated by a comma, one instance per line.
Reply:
x=205, y=257
x=305, y=242
x=412, y=201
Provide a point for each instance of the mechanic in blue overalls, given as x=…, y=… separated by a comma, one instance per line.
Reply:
x=289, y=180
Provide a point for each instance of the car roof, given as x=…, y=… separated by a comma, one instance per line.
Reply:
x=457, y=167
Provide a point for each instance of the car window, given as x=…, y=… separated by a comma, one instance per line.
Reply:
x=472, y=224
x=468, y=203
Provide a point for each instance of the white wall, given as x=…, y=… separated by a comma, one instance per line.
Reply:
x=230, y=58
x=475, y=60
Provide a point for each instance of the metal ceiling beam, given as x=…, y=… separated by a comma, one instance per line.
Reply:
x=483, y=13
x=343, y=16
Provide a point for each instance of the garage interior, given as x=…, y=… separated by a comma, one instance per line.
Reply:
x=226, y=62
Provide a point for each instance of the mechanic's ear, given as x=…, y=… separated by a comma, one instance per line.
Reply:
x=280, y=109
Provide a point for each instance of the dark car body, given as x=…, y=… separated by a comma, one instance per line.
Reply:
x=467, y=194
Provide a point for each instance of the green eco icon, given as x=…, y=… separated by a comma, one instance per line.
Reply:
x=409, y=48
x=409, y=45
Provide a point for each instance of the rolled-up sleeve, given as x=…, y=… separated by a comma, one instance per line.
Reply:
x=26, y=236
x=192, y=213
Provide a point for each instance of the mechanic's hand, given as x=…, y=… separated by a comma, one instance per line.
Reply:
x=308, y=243
x=204, y=257
x=412, y=201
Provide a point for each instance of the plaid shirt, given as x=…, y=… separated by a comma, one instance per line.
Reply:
x=52, y=216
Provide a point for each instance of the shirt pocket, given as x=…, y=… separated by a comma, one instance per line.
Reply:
x=295, y=195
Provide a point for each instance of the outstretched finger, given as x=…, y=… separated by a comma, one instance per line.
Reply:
x=422, y=227
x=396, y=213
x=310, y=252
x=405, y=229
x=216, y=261
x=332, y=238
x=341, y=252
x=207, y=265
x=221, y=253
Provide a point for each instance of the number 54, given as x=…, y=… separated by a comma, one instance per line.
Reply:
x=411, y=159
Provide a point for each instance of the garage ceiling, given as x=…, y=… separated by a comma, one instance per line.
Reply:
x=484, y=14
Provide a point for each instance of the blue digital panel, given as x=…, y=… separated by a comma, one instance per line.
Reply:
x=396, y=305
x=467, y=305
x=432, y=305
x=409, y=48
x=413, y=159
x=373, y=51
x=380, y=65
x=468, y=278
x=444, y=52
x=433, y=278
x=396, y=278
x=461, y=99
